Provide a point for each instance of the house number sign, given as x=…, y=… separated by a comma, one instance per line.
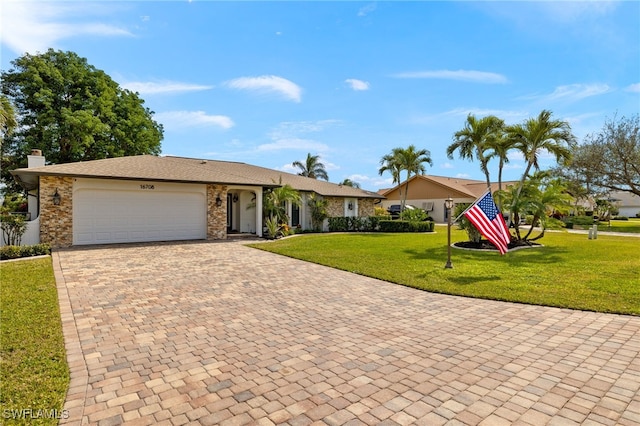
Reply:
x=147, y=186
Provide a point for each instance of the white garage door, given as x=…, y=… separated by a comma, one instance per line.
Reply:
x=107, y=211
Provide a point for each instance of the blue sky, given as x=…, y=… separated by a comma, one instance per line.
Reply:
x=268, y=82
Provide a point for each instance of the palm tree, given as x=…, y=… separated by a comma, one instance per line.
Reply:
x=318, y=209
x=412, y=161
x=276, y=199
x=499, y=148
x=312, y=167
x=475, y=139
x=391, y=163
x=540, y=196
x=533, y=137
x=349, y=182
x=542, y=134
x=8, y=121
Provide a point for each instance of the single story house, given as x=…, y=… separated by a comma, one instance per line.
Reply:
x=149, y=198
x=429, y=193
x=628, y=204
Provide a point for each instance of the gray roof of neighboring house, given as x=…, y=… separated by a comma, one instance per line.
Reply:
x=192, y=170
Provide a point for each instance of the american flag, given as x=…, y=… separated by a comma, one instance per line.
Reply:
x=486, y=217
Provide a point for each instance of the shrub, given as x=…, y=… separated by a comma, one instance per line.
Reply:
x=414, y=215
x=579, y=220
x=13, y=228
x=356, y=224
x=380, y=211
x=374, y=222
x=553, y=223
x=273, y=228
x=620, y=218
x=16, y=252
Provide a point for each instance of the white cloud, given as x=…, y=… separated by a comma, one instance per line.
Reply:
x=377, y=182
x=460, y=75
x=365, y=10
x=161, y=87
x=297, y=144
x=446, y=166
x=463, y=176
x=573, y=92
x=357, y=85
x=184, y=119
x=268, y=84
x=289, y=129
x=633, y=88
x=31, y=27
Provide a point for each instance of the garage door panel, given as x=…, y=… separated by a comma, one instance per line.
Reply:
x=112, y=212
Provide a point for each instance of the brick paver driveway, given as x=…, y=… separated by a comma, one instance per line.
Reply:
x=219, y=333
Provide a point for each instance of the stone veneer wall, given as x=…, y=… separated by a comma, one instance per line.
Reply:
x=335, y=207
x=365, y=207
x=216, y=216
x=56, y=222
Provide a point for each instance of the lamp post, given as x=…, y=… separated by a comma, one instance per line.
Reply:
x=448, y=204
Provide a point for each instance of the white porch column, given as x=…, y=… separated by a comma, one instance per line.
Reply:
x=259, y=212
x=36, y=159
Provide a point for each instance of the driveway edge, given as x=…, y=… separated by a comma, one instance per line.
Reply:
x=73, y=410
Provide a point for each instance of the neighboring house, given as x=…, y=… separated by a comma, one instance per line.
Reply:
x=429, y=193
x=628, y=204
x=149, y=198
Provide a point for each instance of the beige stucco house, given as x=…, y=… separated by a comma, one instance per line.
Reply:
x=429, y=193
x=149, y=198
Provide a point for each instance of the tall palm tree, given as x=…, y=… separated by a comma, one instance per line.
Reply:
x=8, y=121
x=475, y=139
x=391, y=163
x=540, y=134
x=499, y=148
x=412, y=161
x=312, y=167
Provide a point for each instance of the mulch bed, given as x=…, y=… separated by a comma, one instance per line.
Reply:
x=486, y=245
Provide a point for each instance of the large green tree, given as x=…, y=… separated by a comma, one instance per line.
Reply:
x=478, y=136
x=73, y=111
x=610, y=159
x=312, y=167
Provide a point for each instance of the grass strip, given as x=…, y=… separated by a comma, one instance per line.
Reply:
x=34, y=375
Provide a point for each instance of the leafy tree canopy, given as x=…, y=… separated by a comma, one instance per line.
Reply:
x=610, y=159
x=72, y=112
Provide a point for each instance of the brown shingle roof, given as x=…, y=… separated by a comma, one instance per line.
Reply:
x=470, y=187
x=192, y=170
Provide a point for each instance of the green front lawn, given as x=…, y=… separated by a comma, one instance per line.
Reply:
x=570, y=271
x=34, y=375
x=632, y=225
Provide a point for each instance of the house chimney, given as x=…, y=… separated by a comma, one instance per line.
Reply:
x=35, y=159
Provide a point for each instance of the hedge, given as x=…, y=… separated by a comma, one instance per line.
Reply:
x=356, y=224
x=16, y=252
